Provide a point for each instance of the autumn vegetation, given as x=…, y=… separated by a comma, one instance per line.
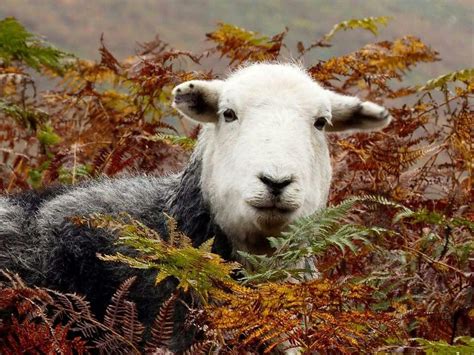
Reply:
x=394, y=250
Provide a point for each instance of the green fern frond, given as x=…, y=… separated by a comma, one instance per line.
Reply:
x=311, y=236
x=370, y=24
x=29, y=118
x=184, y=142
x=195, y=268
x=466, y=75
x=17, y=44
x=462, y=345
x=432, y=217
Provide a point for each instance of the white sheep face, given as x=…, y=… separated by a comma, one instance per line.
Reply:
x=265, y=161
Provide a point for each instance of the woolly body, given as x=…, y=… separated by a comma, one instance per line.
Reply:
x=260, y=163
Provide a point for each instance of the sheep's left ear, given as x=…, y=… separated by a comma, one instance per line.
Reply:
x=350, y=113
x=198, y=99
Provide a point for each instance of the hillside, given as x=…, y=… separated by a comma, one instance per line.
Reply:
x=76, y=25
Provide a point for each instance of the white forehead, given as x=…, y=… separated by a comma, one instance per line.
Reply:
x=273, y=85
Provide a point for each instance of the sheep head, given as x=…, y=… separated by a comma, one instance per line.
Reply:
x=265, y=160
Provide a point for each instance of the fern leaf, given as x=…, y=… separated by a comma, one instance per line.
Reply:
x=466, y=75
x=114, y=311
x=310, y=236
x=370, y=24
x=184, y=142
x=29, y=118
x=111, y=344
x=19, y=44
x=132, y=329
x=462, y=345
x=162, y=329
x=201, y=348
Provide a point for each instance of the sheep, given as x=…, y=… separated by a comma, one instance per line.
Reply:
x=261, y=162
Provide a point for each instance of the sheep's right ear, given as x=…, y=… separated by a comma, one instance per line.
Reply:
x=198, y=99
x=349, y=113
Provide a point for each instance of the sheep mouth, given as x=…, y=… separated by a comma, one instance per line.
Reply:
x=272, y=208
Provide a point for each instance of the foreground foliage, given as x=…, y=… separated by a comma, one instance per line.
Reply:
x=44, y=321
x=395, y=271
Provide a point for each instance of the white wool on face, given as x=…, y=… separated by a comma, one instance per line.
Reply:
x=274, y=135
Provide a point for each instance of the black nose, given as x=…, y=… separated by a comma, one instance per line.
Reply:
x=275, y=186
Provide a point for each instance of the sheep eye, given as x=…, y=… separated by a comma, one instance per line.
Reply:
x=229, y=115
x=320, y=122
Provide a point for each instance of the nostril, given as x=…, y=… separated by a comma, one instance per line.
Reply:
x=282, y=184
x=274, y=184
